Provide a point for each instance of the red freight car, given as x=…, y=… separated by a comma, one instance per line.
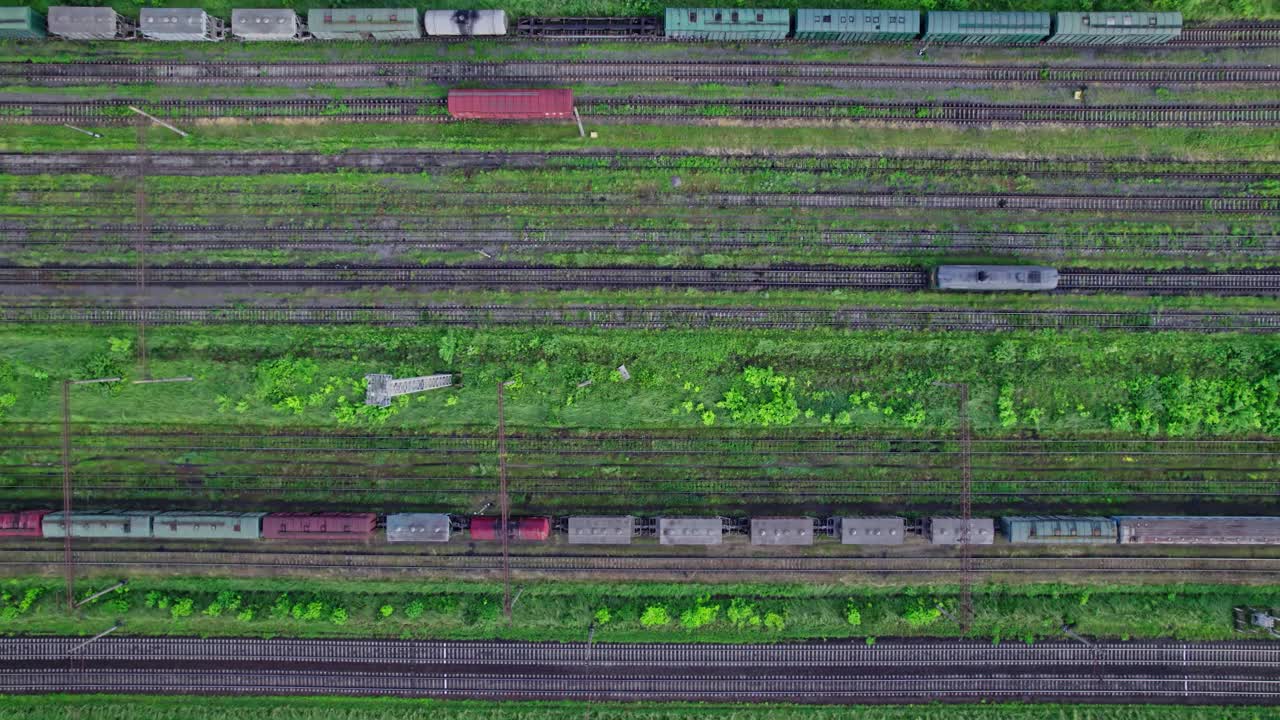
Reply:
x=534, y=528
x=22, y=523
x=319, y=526
x=512, y=104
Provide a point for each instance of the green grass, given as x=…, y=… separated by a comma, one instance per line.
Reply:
x=1180, y=384
x=562, y=610
x=1197, y=144
x=108, y=707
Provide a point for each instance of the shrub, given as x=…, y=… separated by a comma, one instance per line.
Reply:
x=414, y=610
x=852, y=614
x=742, y=613
x=775, y=622
x=338, y=616
x=182, y=608
x=245, y=615
x=701, y=614
x=655, y=616
x=386, y=611
x=920, y=616
x=762, y=397
x=603, y=616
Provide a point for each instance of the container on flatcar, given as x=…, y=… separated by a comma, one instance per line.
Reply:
x=364, y=24
x=857, y=25
x=464, y=23
x=179, y=25
x=995, y=278
x=1116, y=28
x=89, y=23
x=987, y=28
x=21, y=23
x=259, y=24
x=319, y=526
x=872, y=531
x=588, y=27
x=109, y=524
x=690, y=531
x=1059, y=530
x=782, y=531
x=951, y=531
x=1214, y=530
x=596, y=530
x=728, y=23
x=513, y=104
x=207, y=525
x=418, y=527
x=22, y=523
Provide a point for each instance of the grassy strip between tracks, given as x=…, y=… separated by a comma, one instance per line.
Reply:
x=110, y=707
x=1168, y=383
x=623, y=611
x=318, y=136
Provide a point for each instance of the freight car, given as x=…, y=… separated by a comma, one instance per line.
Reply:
x=547, y=104
x=995, y=278
x=1172, y=530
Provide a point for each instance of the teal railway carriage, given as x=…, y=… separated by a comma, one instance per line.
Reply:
x=987, y=28
x=364, y=24
x=728, y=23
x=858, y=25
x=1116, y=28
x=1058, y=530
x=207, y=525
x=109, y=524
x=21, y=23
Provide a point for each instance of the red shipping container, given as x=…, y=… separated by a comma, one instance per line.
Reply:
x=23, y=523
x=319, y=526
x=514, y=104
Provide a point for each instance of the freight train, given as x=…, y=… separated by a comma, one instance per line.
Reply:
x=625, y=529
x=766, y=24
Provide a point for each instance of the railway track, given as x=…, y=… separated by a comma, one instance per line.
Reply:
x=379, y=203
x=124, y=163
x=432, y=110
x=1262, y=282
x=304, y=239
x=607, y=317
x=889, y=654
x=809, y=688
x=382, y=73
x=377, y=564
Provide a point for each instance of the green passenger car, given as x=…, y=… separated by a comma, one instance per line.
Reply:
x=1057, y=530
x=1116, y=28
x=19, y=23
x=987, y=28
x=110, y=524
x=207, y=525
x=728, y=23
x=858, y=25
x=364, y=24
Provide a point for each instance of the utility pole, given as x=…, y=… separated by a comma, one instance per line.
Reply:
x=966, y=505
x=504, y=503
x=68, y=558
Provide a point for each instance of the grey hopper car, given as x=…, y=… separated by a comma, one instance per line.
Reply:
x=782, y=531
x=267, y=25
x=615, y=530
x=179, y=24
x=995, y=278
x=418, y=527
x=88, y=23
x=872, y=531
x=690, y=531
x=950, y=531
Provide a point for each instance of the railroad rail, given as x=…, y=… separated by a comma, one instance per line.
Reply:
x=416, y=161
x=606, y=317
x=307, y=238
x=382, y=73
x=433, y=110
x=1156, y=282
x=810, y=687
x=825, y=654
x=376, y=564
